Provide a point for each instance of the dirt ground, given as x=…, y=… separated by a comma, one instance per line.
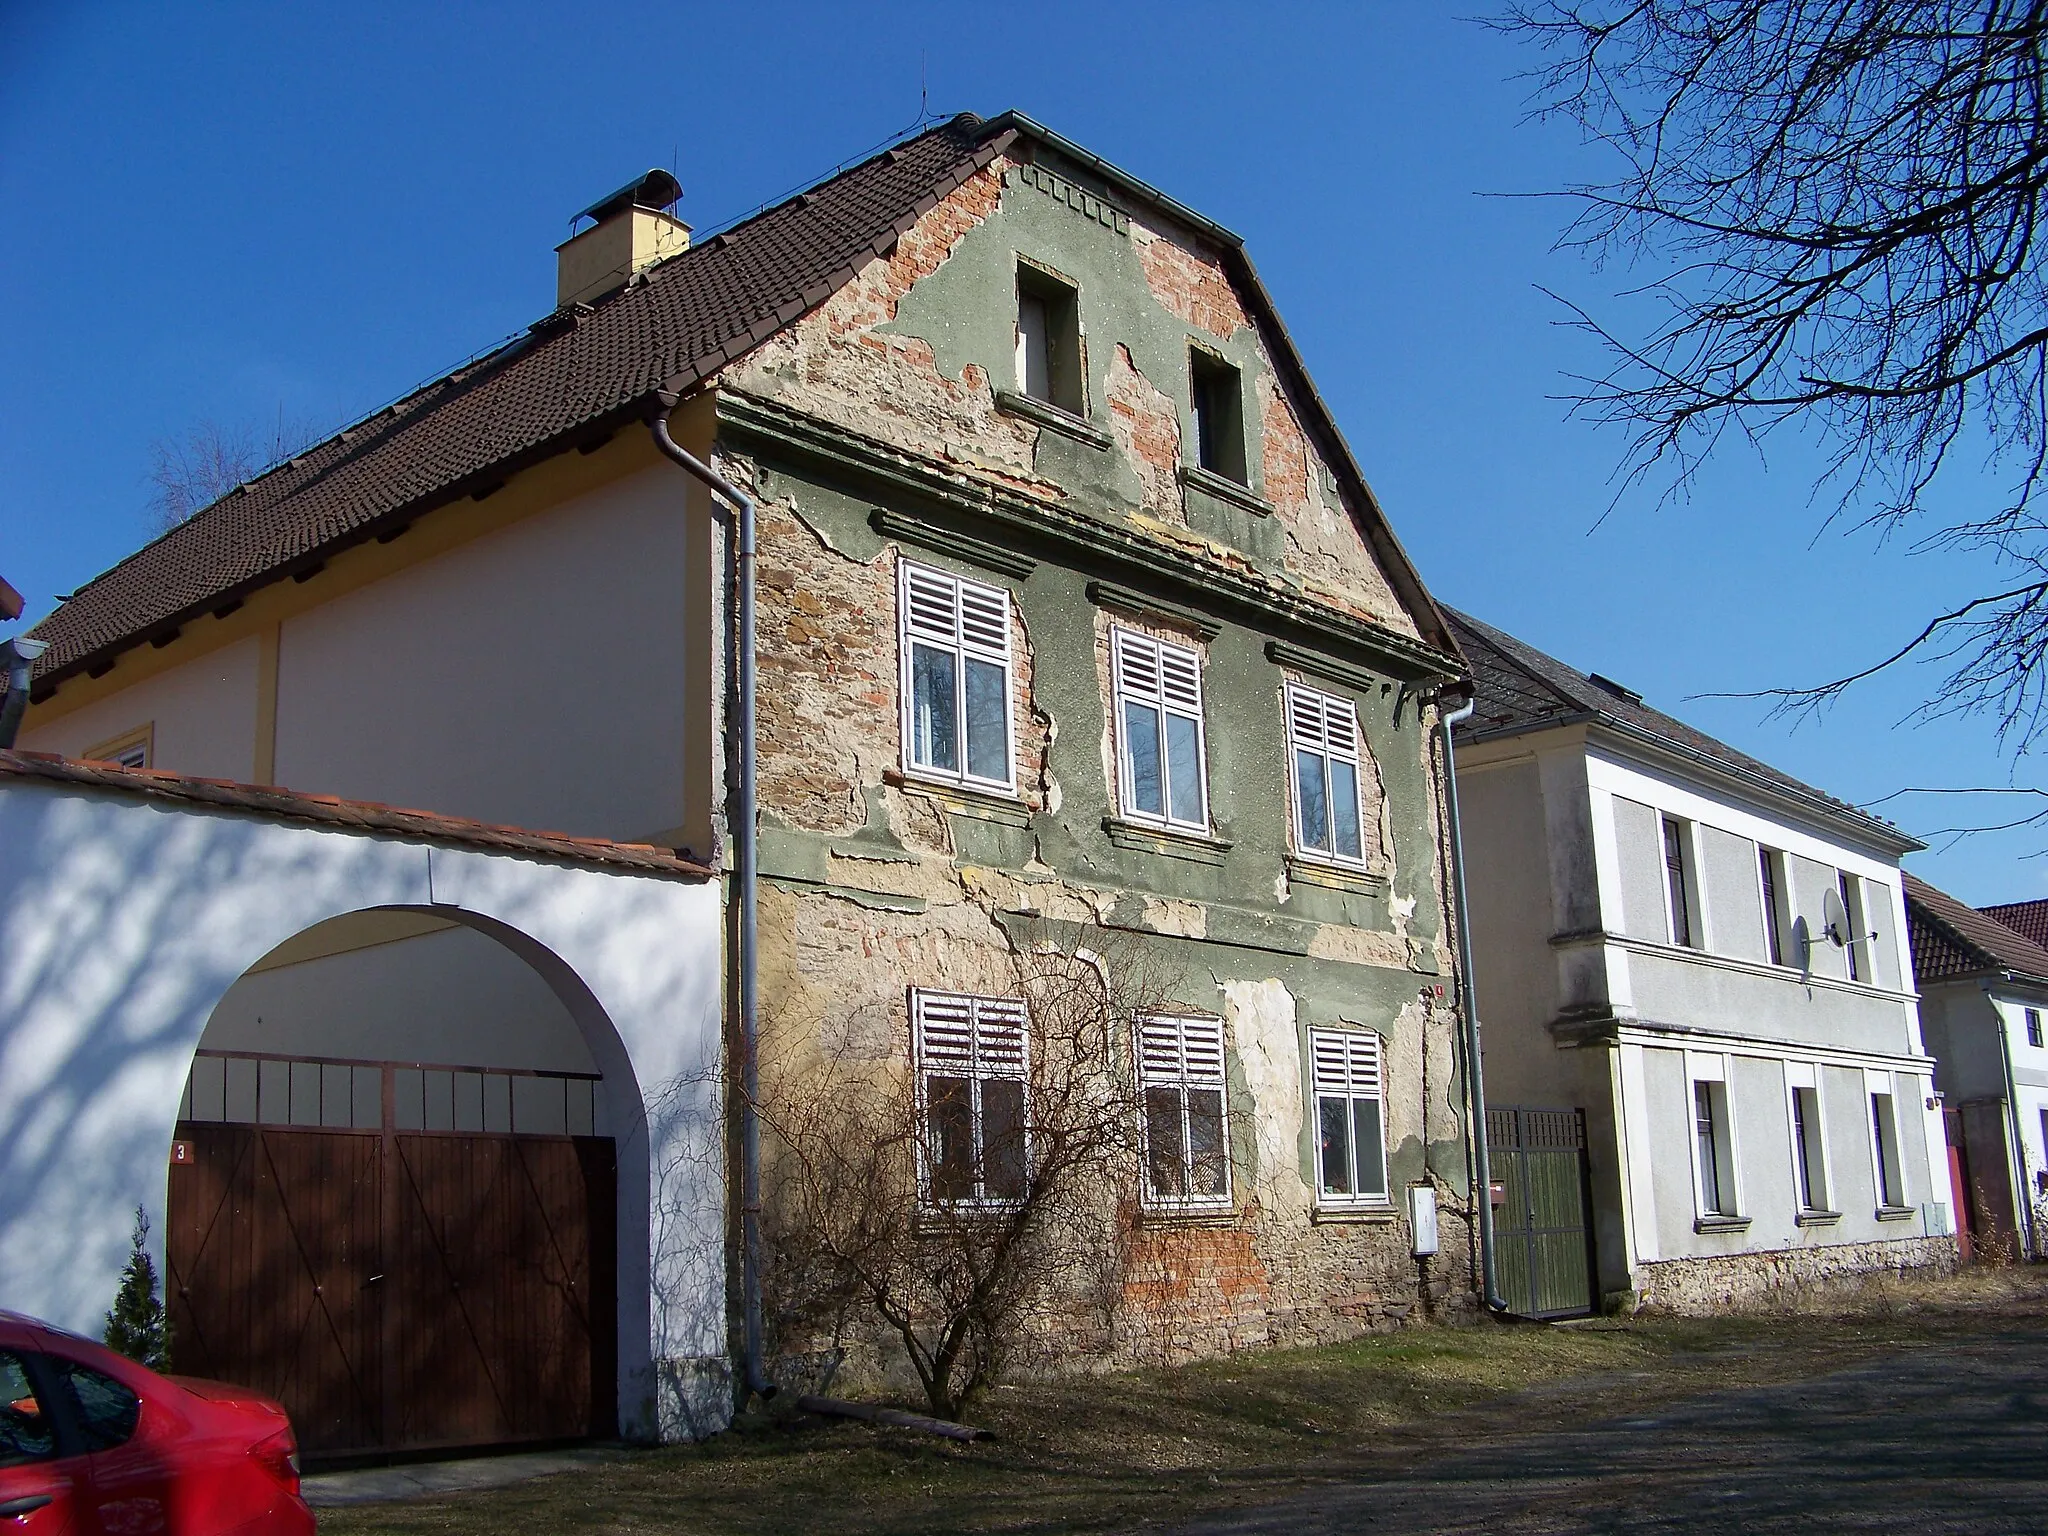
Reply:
x=1896, y=1406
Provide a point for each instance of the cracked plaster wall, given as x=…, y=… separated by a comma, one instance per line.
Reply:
x=877, y=884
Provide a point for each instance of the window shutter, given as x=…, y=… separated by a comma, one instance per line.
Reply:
x=1320, y=722
x=1346, y=1064
x=1180, y=680
x=970, y=1036
x=985, y=619
x=1173, y=1049
x=931, y=608
x=1000, y=1042
x=945, y=1032
x=1137, y=664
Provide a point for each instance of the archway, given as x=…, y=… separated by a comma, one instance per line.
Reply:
x=130, y=910
x=393, y=1198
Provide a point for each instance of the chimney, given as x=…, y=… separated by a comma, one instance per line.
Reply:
x=633, y=231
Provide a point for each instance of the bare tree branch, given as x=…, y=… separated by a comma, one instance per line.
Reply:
x=1838, y=203
x=191, y=473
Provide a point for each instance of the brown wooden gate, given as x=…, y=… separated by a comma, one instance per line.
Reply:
x=399, y=1291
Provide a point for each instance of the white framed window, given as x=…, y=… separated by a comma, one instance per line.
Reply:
x=1888, y=1174
x=1773, y=886
x=1681, y=899
x=1187, y=1129
x=1852, y=903
x=1049, y=340
x=1713, y=1141
x=1810, y=1184
x=1351, y=1145
x=973, y=1060
x=1323, y=767
x=131, y=749
x=1161, y=750
x=955, y=645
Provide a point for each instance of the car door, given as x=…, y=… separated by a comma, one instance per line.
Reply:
x=131, y=1469
x=42, y=1477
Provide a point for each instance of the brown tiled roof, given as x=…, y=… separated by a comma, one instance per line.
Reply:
x=1951, y=939
x=580, y=376
x=2028, y=919
x=10, y=601
x=350, y=815
x=1521, y=689
x=572, y=380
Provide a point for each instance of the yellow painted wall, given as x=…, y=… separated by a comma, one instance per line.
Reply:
x=203, y=711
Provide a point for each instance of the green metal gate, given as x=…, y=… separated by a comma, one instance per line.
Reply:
x=1543, y=1241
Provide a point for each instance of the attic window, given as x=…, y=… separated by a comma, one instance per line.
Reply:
x=1217, y=395
x=1049, y=340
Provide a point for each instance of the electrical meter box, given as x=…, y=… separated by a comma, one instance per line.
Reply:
x=1422, y=1218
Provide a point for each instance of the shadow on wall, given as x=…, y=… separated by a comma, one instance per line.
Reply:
x=123, y=925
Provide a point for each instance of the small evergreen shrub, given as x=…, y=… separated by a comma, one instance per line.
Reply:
x=136, y=1325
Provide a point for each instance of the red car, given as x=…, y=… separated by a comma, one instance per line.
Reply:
x=91, y=1443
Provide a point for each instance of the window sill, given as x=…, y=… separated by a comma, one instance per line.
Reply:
x=1721, y=1224
x=963, y=799
x=1354, y=1216
x=1897, y=1212
x=1187, y=1216
x=1338, y=877
x=1192, y=846
x=1054, y=418
x=1817, y=1218
x=1195, y=478
x=930, y=1220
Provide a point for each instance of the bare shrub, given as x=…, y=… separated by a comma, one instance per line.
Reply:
x=962, y=1216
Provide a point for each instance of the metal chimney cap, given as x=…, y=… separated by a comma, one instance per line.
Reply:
x=656, y=189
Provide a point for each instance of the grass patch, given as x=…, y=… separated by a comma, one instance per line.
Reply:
x=1114, y=1451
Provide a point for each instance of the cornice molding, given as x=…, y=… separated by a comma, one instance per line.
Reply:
x=1079, y=538
x=949, y=541
x=1105, y=594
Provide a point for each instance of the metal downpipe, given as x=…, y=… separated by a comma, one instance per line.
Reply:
x=19, y=656
x=1475, y=1085
x=745, y=864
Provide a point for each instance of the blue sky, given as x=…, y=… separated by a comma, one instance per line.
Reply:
x=236, y=212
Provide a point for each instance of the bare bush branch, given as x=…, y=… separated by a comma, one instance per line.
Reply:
x=858, y=1227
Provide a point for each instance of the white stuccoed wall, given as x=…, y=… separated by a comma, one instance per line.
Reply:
x=123, y=922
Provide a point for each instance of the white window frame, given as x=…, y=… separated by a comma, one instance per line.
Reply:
x=132, y=749
x=981, y=1039
x=1777, y=915
x=1165, y=677
x=1712, y=1071
x=1349, y=1064
x=1805, y=1075
x=1183, y=1052
x=1689, y=882
x=1880, y=1085
x=1325, y=725
x=961, y=617
x=1849, y=885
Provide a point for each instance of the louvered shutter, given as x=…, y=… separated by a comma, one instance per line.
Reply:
x=1172, y=1049
x=971, y=1036
x=1346, y=1063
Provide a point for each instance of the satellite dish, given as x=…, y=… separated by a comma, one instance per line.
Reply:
x=1834, y=918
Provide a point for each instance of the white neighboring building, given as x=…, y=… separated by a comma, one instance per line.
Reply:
x=1983, y=1001
x=1648, y=914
